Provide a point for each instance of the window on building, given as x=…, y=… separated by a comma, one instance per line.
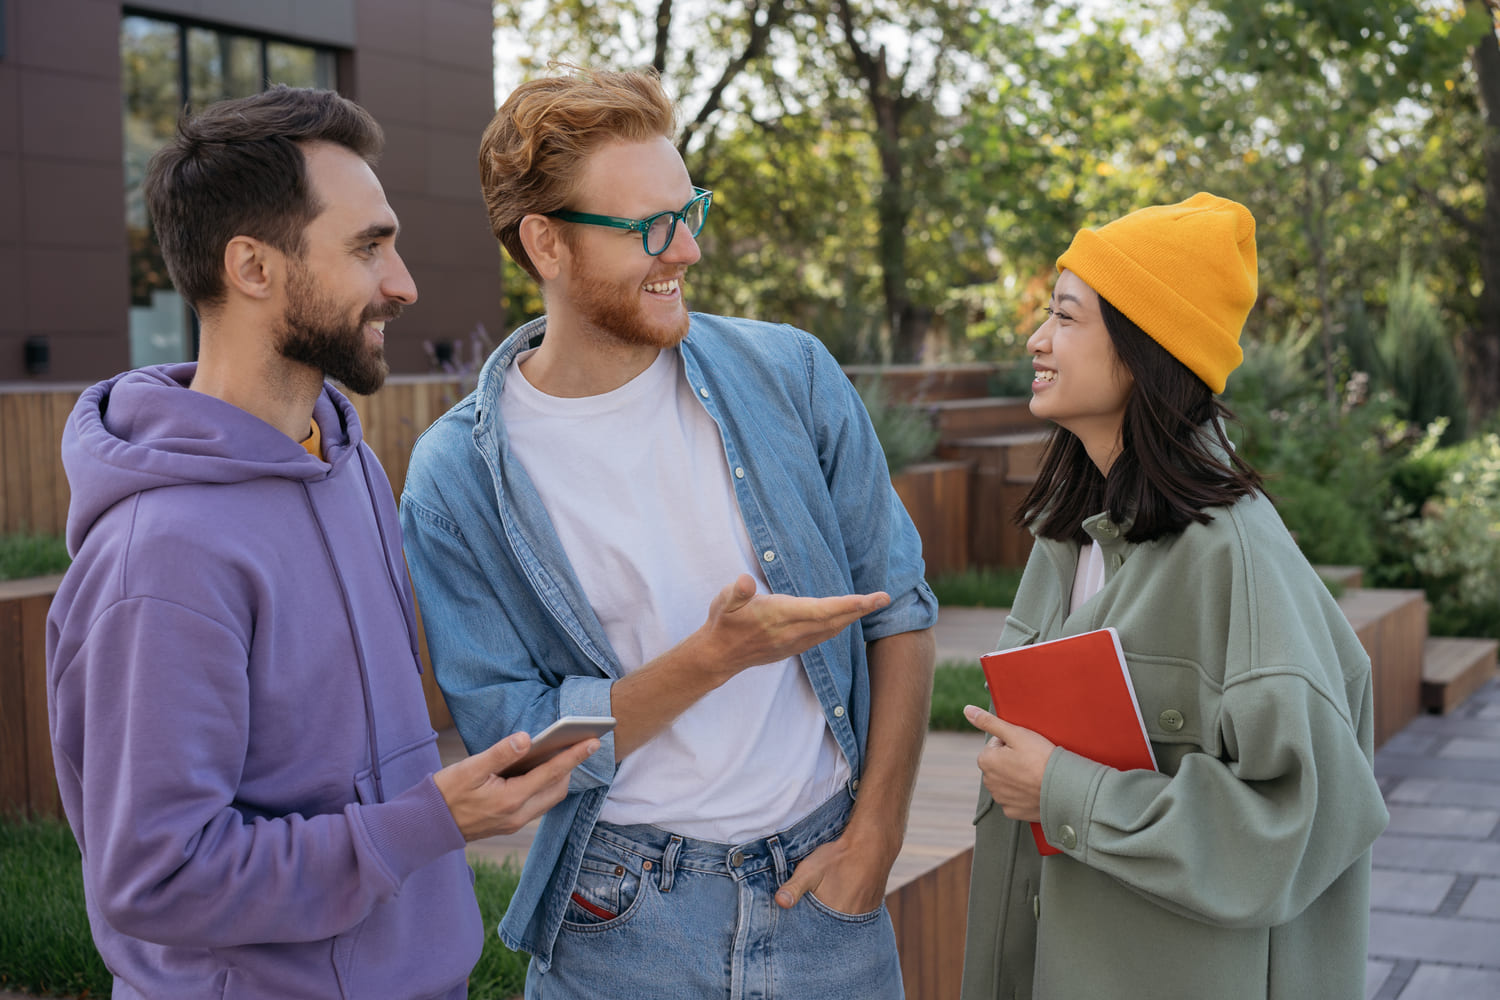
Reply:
x=167, y=65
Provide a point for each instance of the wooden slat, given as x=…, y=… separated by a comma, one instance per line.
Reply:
x=62, y=404
x=13, y=487
x=1392, y=626
x=26, y=778
x=918, y=383
x=1005, y=465
x=13, y=768
x=936, y=495
x=956, y=419
x=1453, y=669
x=41, y=780
x=33, y=486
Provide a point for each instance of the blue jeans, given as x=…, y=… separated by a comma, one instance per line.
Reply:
x=657, y=915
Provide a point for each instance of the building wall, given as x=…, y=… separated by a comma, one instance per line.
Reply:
x=62, y=225
x=424, y=69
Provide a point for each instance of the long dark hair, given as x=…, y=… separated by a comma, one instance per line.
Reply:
x=1175, y=460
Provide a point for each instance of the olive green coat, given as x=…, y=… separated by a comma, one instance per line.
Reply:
x=1242, y=868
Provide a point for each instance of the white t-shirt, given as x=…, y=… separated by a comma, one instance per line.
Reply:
x=638, y=489
x=1089, y=579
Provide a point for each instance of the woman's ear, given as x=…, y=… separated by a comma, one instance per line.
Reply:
x=251, y=267
x=542, y=238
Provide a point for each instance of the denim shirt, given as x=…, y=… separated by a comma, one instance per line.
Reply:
x=513, y=639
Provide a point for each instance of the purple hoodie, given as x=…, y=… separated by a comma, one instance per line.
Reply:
x=238, y=725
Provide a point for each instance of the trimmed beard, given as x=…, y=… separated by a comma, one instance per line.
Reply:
x=314, y=331
x=615, y=309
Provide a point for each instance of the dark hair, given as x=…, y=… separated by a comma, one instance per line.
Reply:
x=1174, y=462
x=236, y=169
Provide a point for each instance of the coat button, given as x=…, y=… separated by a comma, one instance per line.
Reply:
x=1067, y=838
x=1171, y=720
x=739, y=472
x=768, y=556
x=838, y=711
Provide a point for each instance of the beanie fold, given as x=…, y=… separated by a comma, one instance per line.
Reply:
x=1184, y=273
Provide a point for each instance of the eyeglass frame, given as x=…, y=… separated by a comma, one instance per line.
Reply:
x=643, y=226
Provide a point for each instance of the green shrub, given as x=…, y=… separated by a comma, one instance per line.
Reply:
x=906, y=434
x=977, y=588
x=1411, y=354
x=24, y=555
x=45, y=943
x=1455, y=540
x=955, y=685
x=1329, y=528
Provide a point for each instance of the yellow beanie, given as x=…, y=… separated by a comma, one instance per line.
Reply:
x=1184, y=273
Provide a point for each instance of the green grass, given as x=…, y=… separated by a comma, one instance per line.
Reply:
x=45, y=944
x=955, y=685
x=500, y=972
x=977, y=588
x=46, y=948
x=31, y=555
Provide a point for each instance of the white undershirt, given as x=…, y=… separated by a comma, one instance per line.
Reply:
x=638, y=489
x=1089, y=579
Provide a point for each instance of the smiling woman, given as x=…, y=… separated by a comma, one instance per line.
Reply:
x=1231, y=864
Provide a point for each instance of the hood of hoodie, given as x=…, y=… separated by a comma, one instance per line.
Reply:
x=145, y=428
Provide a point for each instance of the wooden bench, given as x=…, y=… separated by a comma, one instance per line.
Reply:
x=1453, y=669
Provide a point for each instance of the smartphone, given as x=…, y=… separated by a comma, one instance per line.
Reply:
x=556, y=738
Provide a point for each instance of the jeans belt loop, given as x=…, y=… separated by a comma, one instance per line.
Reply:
x=669, y=863
x=778, y=857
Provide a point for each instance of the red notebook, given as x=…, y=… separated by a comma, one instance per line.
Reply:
x=1075, y=691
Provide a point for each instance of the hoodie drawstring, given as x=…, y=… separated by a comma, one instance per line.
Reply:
x=359, y=648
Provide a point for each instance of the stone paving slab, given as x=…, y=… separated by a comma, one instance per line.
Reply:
x=1443, y=821
x=1441, y=791
x=1414, y=892
x=1450, y=940
x=1483, y=903
x=1432, y=981
x=1435, y=888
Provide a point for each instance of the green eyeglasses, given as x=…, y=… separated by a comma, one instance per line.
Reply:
x=656, y=230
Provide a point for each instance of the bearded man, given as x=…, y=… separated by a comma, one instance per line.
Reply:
x=238, y=726
x=683, y=521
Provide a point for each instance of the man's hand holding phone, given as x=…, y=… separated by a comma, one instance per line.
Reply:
x=486, y=803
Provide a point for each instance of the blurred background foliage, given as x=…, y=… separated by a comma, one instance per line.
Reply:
x=898, y=176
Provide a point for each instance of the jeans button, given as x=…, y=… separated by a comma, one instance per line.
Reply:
x=736, y=859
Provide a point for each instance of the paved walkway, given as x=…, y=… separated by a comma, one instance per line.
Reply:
x=1435, y=898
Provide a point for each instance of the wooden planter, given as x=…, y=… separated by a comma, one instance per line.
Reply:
x=27, y=782
x=936, y=495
